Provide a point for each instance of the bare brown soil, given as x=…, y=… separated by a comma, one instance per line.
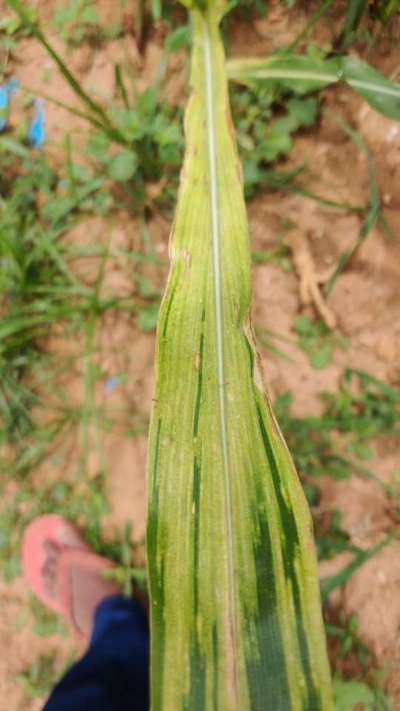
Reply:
x=365, y=302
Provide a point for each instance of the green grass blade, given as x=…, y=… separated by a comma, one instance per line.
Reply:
x=341, y=578
x=374, y=209
x=90, y=118
x=380, y=93
x=235, y=606
x=303, y=74
x=309, y=24
x=156, y=9
x=354, y=11
x=296, y=72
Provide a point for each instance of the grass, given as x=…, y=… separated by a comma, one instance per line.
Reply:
x=36, y=282
x=260, y=143
x=40, y=676
x=152, y=133
x=349, y=695
x=369, y=14
x=42, y=621
x=78, y=21
x=135, y=145
x=337, y=442
x=39, y=289
x=318, y=341
x=373, y=214
x=40, y=292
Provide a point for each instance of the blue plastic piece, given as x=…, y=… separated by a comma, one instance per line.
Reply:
x=3, y=107
x=5, y=91
x=111, y=383
x=12, y=85
x=36, y=132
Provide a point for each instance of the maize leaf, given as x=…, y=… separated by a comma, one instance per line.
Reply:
x=302, y=74
x=235, y=606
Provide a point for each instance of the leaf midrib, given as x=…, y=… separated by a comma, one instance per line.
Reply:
x=218, y=315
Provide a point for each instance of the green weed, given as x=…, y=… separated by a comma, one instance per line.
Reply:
x=260, y=141
x=373, y=214
x=349, y=640
x=77, y=21
x=336, y=444
x=39, y=677
x=377, y=11
x=152, y=132
x=37, y=286
x=355, y=11
x=349, y=695
x=279, y=255
x=246, y=9
x=11, y=27
x=126, y=572
x=330, y=537
x=362, y=408
x=45, y=623
x=386, y=9
x=39, y=290
x=360, y=556
x=37, y=207
x=317, y=340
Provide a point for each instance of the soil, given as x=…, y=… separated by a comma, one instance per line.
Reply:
x=365, y=302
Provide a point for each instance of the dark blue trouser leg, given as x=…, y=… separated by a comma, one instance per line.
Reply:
x=113, y=674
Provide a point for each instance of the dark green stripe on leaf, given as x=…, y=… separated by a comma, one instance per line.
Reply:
x=291, y=546
x=199, y=355
x=196, y=698
x=168, y=310
x=271, y=663
x=156, y=578
x=196, y=530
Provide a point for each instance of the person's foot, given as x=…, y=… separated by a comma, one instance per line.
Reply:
x=88, y=587
x=63, y=572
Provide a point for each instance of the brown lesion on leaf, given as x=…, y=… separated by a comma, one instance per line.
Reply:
x=229, y=123
x=258, y=372
x=236, y=311
x=239, y=170
x=186, y=258
x=197, y=361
